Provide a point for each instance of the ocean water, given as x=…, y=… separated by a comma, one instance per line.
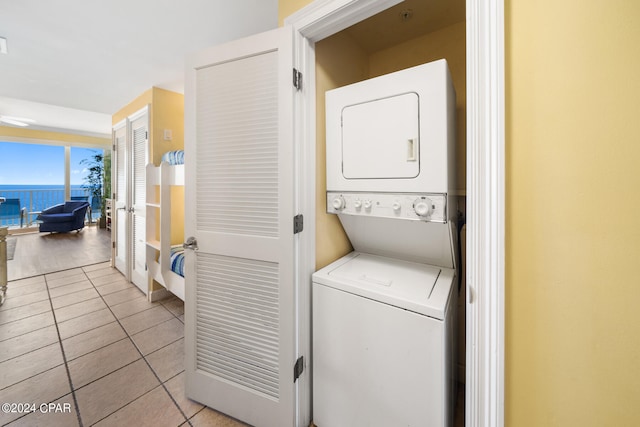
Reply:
x=36, y=198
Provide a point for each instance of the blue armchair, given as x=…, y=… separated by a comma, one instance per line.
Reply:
x=65, y=217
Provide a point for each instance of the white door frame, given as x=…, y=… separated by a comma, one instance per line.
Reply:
x=485, y=178
x=485, y=213
x=126, y=124
x=120, y=263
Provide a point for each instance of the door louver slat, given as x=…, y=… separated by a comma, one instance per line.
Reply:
x=121, y=192
x=237, y=321
x=238, y=155
x=139, y=172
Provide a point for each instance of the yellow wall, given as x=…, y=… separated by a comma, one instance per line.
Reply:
x=573, y=230
x=168, y=113
x=287, y=7
x=339, y=61
x=136, y=105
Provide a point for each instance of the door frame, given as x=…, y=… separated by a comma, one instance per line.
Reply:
x=130, y=244
x=122, y=124
x=484, y=399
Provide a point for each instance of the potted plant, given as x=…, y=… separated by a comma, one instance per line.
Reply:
x=98, y=178
x=106, y=193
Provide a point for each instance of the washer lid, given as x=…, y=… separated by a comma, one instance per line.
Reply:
x=417, y=287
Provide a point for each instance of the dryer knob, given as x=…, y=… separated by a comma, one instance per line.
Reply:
x=396, y=207
x=422, y=207
x=357, y=204
x=367, y=205
x=338, y=203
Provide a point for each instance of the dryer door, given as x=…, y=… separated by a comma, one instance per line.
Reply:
x=380, y=138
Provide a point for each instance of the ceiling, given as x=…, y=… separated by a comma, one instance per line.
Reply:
x=405, y=21
x=71, y=64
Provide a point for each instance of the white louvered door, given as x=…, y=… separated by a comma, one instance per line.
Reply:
x=130, y=139
x=240, y=332
x=120, y=224
x=139, y=143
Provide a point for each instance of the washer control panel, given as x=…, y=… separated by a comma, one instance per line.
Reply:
x=423, y=207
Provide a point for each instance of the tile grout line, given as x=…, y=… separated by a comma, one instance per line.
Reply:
x=34, y=375
x=106, y=307
x=97, y=327
x=84, y=314
x=24, y=354
x=24, y=333
x=23, y=295
x=98, y=349
x=57, y=271
x=64, y=356
x=5, y=310
x=22, y=318
x=128, y=336
x=145, y=361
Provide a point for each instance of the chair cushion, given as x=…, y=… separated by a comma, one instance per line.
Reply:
x=56, y=217
x=70, y=206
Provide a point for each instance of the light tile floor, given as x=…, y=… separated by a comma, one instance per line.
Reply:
x=87, y=340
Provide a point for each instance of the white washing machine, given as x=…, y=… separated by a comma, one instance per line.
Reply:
x=383, y=316
x=382, y=343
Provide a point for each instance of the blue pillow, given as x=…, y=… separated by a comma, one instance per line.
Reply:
x=174, y=157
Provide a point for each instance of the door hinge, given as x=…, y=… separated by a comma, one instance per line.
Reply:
x=113, y=147
x=146, y=135
x=113, y=244
x=298, y=223
x=298, y=368
x=297, y=79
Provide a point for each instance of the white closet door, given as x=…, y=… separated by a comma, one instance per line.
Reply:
x=120, y=224
x=130, y=140
x=240, y=299
x=139, y=143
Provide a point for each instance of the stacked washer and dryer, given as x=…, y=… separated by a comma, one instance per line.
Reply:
x=383, y=315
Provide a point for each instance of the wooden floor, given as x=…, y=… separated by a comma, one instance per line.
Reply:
x=41, y=253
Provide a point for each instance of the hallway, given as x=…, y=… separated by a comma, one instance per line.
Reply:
x=40, y=253
x=88, y=340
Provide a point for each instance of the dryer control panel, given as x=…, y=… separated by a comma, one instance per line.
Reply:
x=428, y=207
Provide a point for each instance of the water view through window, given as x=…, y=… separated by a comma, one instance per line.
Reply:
x=34, y=175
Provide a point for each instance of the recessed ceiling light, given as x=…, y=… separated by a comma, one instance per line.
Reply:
x=16, y=121
x=3, y=45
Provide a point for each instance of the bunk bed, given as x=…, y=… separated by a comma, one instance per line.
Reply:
x=165, y=261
